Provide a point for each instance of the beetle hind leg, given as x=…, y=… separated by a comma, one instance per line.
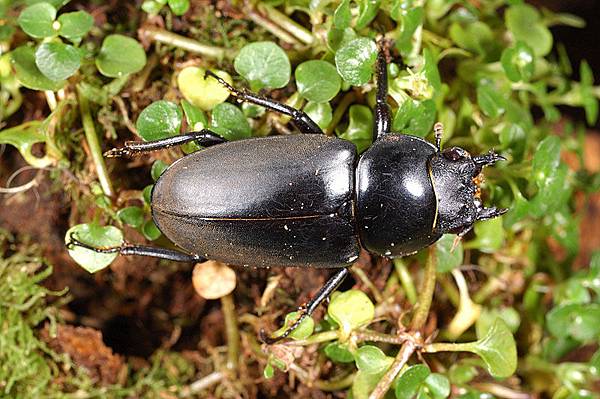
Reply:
x=140, y=250
x=331, y=285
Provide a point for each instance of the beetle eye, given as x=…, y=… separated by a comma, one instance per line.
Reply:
x=455, y=153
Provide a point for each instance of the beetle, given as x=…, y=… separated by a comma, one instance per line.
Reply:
x=309, y=200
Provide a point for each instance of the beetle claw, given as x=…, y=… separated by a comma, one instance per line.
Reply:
x=117, y=152
x=487, y=159
x=74, y=242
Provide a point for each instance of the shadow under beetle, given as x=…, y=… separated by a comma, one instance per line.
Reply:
x=309, y=200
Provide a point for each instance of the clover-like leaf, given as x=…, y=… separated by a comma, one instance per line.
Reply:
x=303, y=331
x=437, y=386
x=488, y=316
x=498, y=350
x=339, y=353
x=57, y=61
x=410, y=380
x=342, y=15
x=263, y=65
x=578, y=321
x=229, y=122
x=195, y=118
x=360, y=127
x=518, y=62
x=525, y=23
x=449, y=255
x=317, y=81
x=157, y=169
x=96, y=236
x=37, y=20
x=415, y=117
x=203, y=91
x=159, y=120
x=490, y=100
x=489, y=235
x=120, y=55
x=27, y=72
x=75, y=25
x=350, y=310
x=179, y=7
x=355, y=60
x=150, y=231
x=371, y=360
x=321, y=113
x=132, y=216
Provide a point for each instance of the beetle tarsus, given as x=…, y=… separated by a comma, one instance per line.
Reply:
x=117, y=152
x=488, y=159
x=74, y=242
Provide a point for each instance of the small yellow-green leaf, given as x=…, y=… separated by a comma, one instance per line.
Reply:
x=203, y=92
x=37, y=20
x=355, y=60
x=351, y=309
x=96, y=236
x=498, y=350
x=75, y=25
x=57, y=61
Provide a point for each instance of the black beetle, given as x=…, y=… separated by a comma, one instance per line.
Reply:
x=308, y=200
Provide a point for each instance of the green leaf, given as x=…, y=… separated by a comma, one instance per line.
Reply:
x=415, y=117
x=437, y=385
x=360, y=127
x=147, y=194
x=195, y=118
x=498, y=350
x=112, y=62
x=518, y=62
x=448, y=259
x=132, y=216
x=525, y=23
x=150, y=231
x=410, y=380
x=350, y=310
x=179, y=7
x=152, y=7
x=203, y=93
x=27, y=72
x=303, y=331
x=24, y=137
x=364, y=383
x=321, y=113
x=588, y=99
x=263, y=65
x=339, y=353
x=355, y=60
x=490, y=100
x=342, y=15
x=230, y=123
x=367, y=11
x=317, y=81
x=37, y=20
x=579, y=321
x=96, y=236
x=75, y=25
x=371, y=360
x=489, y=235
x=411, y=20
x=489, y=315
x=554, y=192
x=57, y=61
x=337, y=38
x=158, y=167
x=159, y=120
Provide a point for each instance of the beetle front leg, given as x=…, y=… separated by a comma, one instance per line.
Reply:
x=203, y=137
x=140, y=250
x=302, y=121
x=331, y=285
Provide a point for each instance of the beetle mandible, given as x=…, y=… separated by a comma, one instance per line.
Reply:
x=309, y=200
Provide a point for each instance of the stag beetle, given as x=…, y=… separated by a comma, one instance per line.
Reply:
x=309, y=200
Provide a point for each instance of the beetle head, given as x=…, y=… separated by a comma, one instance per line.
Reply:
x=456, y=176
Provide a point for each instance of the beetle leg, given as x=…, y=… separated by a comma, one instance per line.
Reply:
x=302, y=121
x=203, y=137
x=128, y=249
x=331, y=285
x=383, y=123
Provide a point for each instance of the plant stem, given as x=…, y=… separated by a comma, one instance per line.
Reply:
x=406, y=351
x=406, y=280
x=335, y=385
x=173, y=39
x=271, y=27
x=339, y=112
x=231, y=329
x=375, y=336
x=448, y=347
x=426, y=292
x=203, y=383
x=50, y=99
x=317, y=338
x=363, y=277
x=94, y=144
x=287, y=23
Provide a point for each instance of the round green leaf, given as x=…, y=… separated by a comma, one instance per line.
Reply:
x=489, y=235
x=75, y=25
x=546, y=159
x=525, y=23
x=27, y=72
x=518, y=62
x=437, y=386
x=159, y=120
x=342, y=15
x=150, y=231
x=321, y=113
x=489, y=315
x=351, y=309
x=448, y=256
x=355, y=60
x=490, y=100
x=120, y=55
x=147, y=193
x=317, y=81
x=371, y=360
x=179, y=7
x=339, y=353
x=415, y=117
x=229, y=122
x=57, y=61
x=37, y=20
x=195, y=118
x=203, y=93
x=410, y=380
x=304, y=330
x=264, y=65
x=132, y=216
x=498, y=350
x=360, y=127
x=152, y=7
x=158, y=167
x=579, y=321
x=96, y=236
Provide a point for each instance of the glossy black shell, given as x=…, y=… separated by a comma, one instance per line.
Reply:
x=396, y=207
x=275, y=201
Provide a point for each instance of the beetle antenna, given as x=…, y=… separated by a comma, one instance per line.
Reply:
x=438, y=132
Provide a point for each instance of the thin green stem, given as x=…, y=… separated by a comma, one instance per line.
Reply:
x=366, y=281
x=317, y=338
x=339, y=112
x=94, y=144
x=406, y=351
x=448, y=347
x=335, y=385
x=271, y=27
x=406, y=280
x=426, y=291
x=194, y=46
x=232, y=332
x=287, y=23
